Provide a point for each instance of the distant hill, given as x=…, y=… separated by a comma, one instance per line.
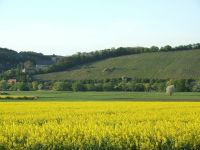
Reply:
x=9, y=59
x=66, y=63
x=161, y=65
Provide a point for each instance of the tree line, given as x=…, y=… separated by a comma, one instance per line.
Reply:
x=119, y=84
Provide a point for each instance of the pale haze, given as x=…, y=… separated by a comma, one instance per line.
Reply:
x=64, y=27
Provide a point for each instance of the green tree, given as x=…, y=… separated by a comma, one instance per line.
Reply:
x=98, y=86
x=154, y=48
x=90, y=87
x=40, y=86
x=78, y=86
x=180, y=85
x=196, y=88
x=58, y=86
x=108, y=86
x=139, y=87
x=35, y=85
x=147, y=87
x=3, y=85
x=166, y=48
x=169, y=82
x=22, y=86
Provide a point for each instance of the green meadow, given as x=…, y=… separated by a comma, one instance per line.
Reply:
x=105, y=96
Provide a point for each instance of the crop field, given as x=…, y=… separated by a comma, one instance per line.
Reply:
x=99, y=96
x=99, y=125
x=162, y=65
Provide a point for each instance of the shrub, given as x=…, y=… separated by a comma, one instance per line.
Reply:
x=18, y=97
x=4, y=93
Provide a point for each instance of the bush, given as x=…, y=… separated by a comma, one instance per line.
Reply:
x=61, y=86
x=18, y=97
x=4, y=93
x=78, y=86
x=180, y=86
x=108, y=87
x=196, y=88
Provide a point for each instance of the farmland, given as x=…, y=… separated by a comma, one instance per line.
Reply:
x=100, y=120
x=99, y=125
x=102, y=96
x=157, y=65
x=99, y=75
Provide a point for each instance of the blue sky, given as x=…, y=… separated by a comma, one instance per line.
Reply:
x=65, y=27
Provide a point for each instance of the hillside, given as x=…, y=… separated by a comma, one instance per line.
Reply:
x=162, y=65
x=9, y=59
x=69, y=62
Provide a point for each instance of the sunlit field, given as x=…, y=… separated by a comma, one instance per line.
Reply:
x=99, y=125
x=102, y=96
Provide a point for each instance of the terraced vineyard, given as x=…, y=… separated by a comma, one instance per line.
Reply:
x=157, y=65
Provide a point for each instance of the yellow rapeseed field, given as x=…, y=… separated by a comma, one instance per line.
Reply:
x=99, y=125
